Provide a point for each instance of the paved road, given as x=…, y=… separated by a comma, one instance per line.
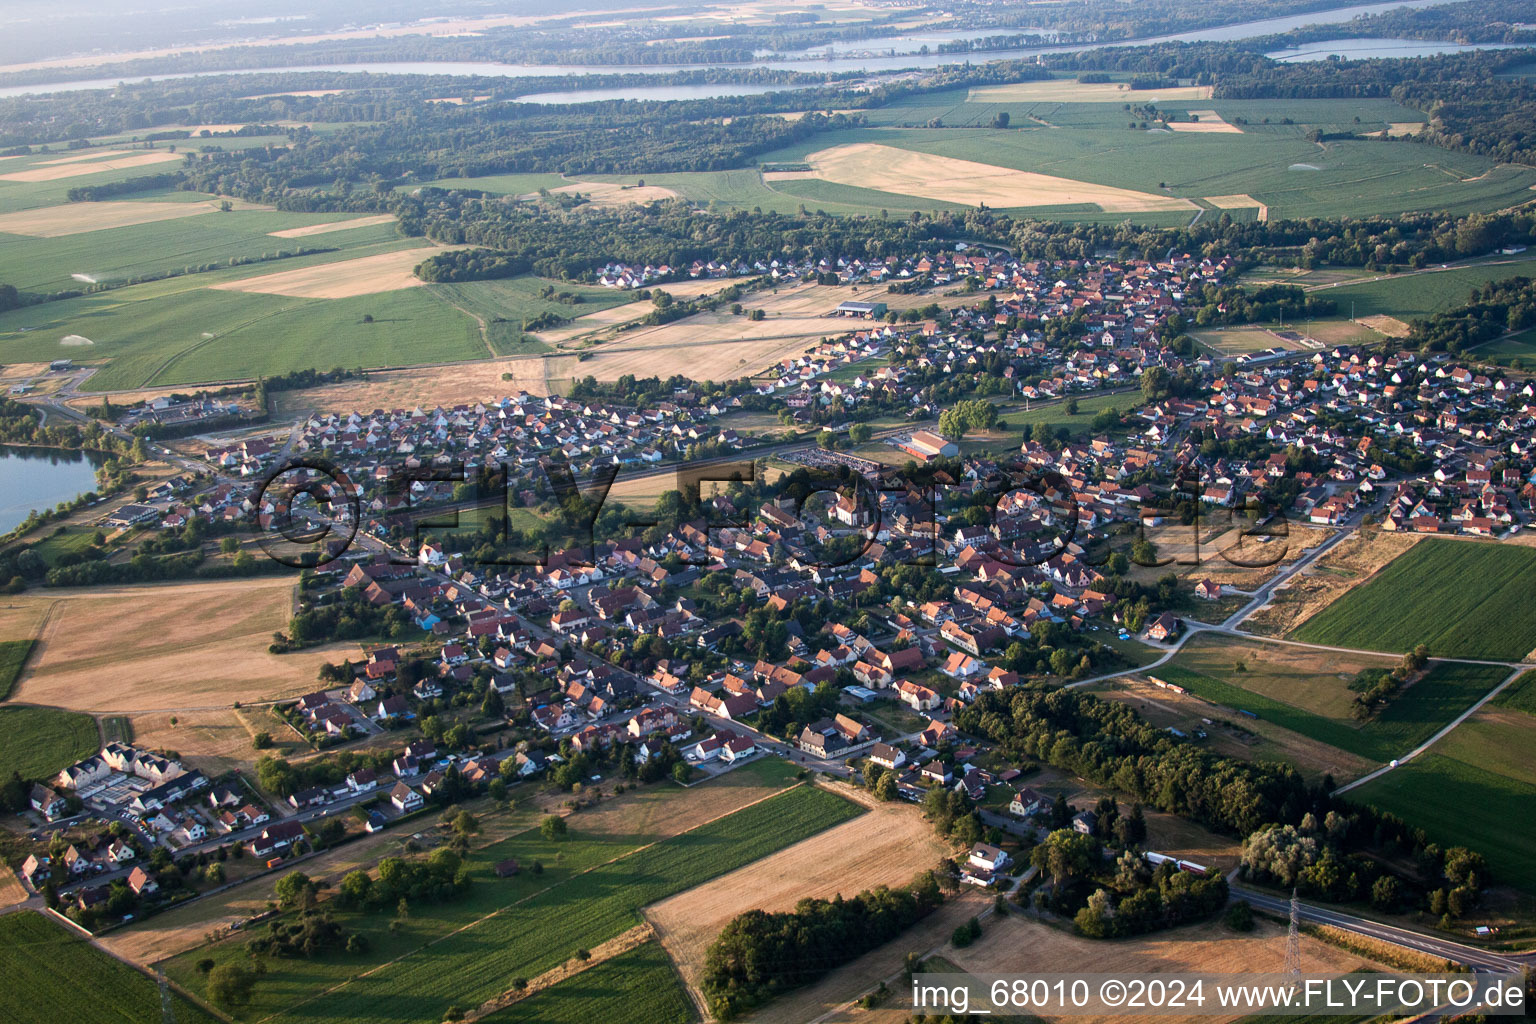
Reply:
x=1471, y=956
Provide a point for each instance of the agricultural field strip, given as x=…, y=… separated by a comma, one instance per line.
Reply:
x=1422, y=597
x=46, y=966
x=625, y=886
x=635, y=987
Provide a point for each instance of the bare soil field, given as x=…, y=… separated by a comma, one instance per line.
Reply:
x=167, y=647
x=214, y=741
x=1064, y=90
x=335, y=225
x=1226, y=555
x=426, y=386
x=1390, y=326
x=1210, y=121
x=75, y=170
x=889, y=169
x=606, y=193
x=1353, y=561
x=889, y=845
x=368, y=275
x=79, y=218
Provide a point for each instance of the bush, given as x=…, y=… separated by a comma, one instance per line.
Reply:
x=1240, y=917
x=966, y=933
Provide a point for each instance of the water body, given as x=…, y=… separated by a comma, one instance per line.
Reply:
x=39, y=478
x=855, y=64
x=1360, y=49
x=656, y=92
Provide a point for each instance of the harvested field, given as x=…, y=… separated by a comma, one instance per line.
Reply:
x=889, y=845
x=75, y=170
x=430, y=385
x=1210, y=121
x=1065, y=90
x=888, y=169
x=718, y=345
x=607, y=193
x=79, y=218
x=1320, y=584
x=598, y=320
x=1239, y=202
x=183, y=646
x=1016, y=944
x=386, y=272
x=335, y=225
x=214, y=741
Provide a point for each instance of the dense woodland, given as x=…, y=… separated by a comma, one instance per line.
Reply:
x=758, y=955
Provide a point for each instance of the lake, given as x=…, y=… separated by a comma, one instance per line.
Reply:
x=39, y=478
x=869, y=64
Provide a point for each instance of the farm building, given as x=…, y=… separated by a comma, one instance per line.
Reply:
x=868, y=310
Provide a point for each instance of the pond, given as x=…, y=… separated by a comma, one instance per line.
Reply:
x=39, y=478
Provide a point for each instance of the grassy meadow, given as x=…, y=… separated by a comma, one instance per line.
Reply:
x=1462, y=599
x=1409, y=295
x=1444, y=692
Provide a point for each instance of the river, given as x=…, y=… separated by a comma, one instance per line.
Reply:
x=40, y=478
x=871, y=63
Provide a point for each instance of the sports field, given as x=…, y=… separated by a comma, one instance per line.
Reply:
x=52, y=975
x=1415, y=714
x=1462, y=599
x=469, y=951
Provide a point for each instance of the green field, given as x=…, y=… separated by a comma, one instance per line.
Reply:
x=1291, y=175
x=52, y=976
x=1448, y=689
x=1315, y=681
x=38, y=742
x=1460, y=804
x=13, y=654
x=1410, y=295
x=504, y=305
x=591, y=890
x=1516, y=350
x=1463, y=599
x=48, y=264
x=638, y=987
x=1519, y=695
